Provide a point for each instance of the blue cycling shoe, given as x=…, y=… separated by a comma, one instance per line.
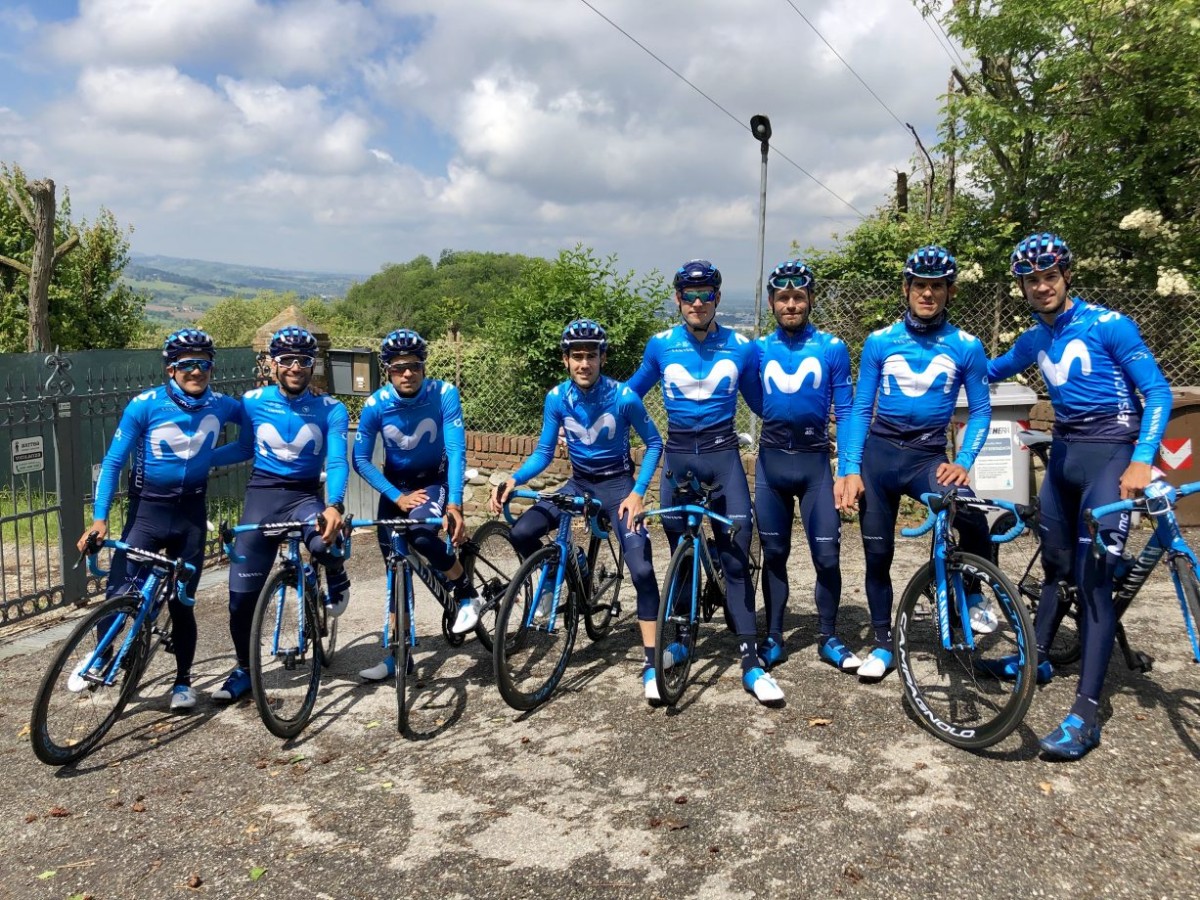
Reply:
x=838, y=655
x=674, y=654
x=1005, y=668
x=236, y=686
x=1071, y=740
x=877, y=664
x=771, y=653
x=762, y=686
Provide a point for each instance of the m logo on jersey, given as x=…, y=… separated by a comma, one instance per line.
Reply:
x=917, y=384
x=607, y=423
x=426, y=428
x=776, y=379
x=271, y=442
x=691, y=388
x=1057, y=373
x=180, y=443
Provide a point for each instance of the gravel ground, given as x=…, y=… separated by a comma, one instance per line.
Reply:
x=595, y=794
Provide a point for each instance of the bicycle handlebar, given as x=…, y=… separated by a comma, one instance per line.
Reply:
x=275, y=529
x=688, y=508
x=939, y=502
x=181, y=572
x=1158, y=499
x=566, y=502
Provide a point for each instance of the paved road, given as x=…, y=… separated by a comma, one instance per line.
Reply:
x=595, y=795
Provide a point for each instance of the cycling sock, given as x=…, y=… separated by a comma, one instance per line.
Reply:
x=1087, y=709
x=748, y=648
x=883, y=636
x=463, y=587
x=649, y=651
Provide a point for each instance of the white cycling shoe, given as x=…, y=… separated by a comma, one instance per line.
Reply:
x=468, y=615
x=762, y=686
x=983, y=618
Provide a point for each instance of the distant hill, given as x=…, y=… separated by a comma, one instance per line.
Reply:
x=181, y=290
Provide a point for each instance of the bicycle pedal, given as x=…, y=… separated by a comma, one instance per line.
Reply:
x=615, y=609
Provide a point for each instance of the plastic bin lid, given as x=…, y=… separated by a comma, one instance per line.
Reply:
x=1006, y=393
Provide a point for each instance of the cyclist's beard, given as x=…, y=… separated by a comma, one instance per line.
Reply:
x=280, y=379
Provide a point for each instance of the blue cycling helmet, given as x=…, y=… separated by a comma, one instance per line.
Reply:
x=697, y=273
x=791, y=273
x=584, y=331
x=1040, y=252
x=184, y=341
x=931, y=261
x=403, y=342
x=292, y=340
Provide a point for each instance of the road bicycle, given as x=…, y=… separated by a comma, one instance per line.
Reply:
x=971, y=690
x=293, y=634
x=94, y=673
x=555, y=586
x=488, y=558
x=694, y=586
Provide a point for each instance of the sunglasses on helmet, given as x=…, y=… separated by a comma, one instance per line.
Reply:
x=1039, y=263
x=783, y=282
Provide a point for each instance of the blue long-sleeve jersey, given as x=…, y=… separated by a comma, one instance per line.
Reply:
x=700, y=384
x=293, y=438
x=1092, y=360
x=597, y=423
x=915, y=378
x=423, y=438
x=801, y=375
x=173, y=446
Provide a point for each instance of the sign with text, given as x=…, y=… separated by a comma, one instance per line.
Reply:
x=27, y=455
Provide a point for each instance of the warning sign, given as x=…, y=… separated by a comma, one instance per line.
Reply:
x=27, y=455
x=1175, y=453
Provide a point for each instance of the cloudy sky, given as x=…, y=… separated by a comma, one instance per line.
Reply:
x=341, y=135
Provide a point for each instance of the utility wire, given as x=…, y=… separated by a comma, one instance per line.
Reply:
x=740, y=123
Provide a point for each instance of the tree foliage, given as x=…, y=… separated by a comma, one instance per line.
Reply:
x=233, y=321
x=89, y=306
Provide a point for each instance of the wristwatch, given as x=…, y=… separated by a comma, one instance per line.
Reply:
x=339, y=506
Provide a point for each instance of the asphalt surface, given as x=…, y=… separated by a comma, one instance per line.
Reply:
x=838, y=793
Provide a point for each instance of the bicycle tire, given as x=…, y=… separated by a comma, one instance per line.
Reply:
x=528, y=657
x=284, y=676
x=401, y=648
x=66, y=725
x=606, y=574
x=669, y=627
x=956, y=694
x=490, y=561
x=326, y=622
x=1190, y=587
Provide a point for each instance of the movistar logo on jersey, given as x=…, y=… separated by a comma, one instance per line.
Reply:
x=606, y=424
x=271, y=443
x=426, y=429
x=776, y=379
x=180, y=443
x=1058, y=373
x=917, y=384
x=678, y=378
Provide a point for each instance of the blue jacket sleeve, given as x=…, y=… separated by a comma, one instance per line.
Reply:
x=364, y=448
x=750, y=380
x=1020, y=356
x=979, y=404
x=838, y=360
x=635, y=413
x=543, y=454
x=1124, y=342
x=337, y=465
x=237, y=450
x=130, y=430
x=456, y=443
x=648, y=372
x=853, y=435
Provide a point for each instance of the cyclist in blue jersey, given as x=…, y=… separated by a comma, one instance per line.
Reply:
x=803, y=371
x=1095, y=364
x=424, y=466
x=596, y=413
x=909, y=375
x=702, y=366
x=171, y=431
x=292, y=435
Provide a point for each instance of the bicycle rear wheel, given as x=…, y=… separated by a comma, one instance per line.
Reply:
x=401, y=648
x=531, y=646
x=675, y=630
x=285, y=672
x=74, y=708
x=326, y=624
x=490, y=561
x=968, y=698
x=1065, y=648
x=1189, y=586
x=606, y=574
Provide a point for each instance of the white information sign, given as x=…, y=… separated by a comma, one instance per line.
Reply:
x=994, y=464
x=27, y=455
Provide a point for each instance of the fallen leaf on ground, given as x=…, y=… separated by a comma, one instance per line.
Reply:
x=1046, y=787
x=372, y=725
x=49, y=873
x=816, y=721
x=194, y=880
x=257, y=872
x=139, y=806
x=59, y=812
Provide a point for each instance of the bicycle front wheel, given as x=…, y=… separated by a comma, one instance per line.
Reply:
x=401, y=648
x=971, y=698
x=675, y=630
x=285, y=671
x=1190, y=600
x=326, y=626
x=74, y=707
x=606, y=574
x=532, y=645
x=490, y=561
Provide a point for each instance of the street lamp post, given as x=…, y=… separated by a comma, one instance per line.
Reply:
x=760, y=127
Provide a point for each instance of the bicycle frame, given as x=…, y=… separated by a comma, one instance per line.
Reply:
x=410, y=563
x=701, y=558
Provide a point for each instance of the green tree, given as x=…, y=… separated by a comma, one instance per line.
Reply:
x=233, y=321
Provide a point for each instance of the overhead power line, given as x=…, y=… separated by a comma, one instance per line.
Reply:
x=740, y=123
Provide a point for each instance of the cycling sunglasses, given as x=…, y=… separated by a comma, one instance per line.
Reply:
x=193, y=365
x=1040, y=263
x=401, y=368
x=291, y=362
x=783, y=282
x=698, y=296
